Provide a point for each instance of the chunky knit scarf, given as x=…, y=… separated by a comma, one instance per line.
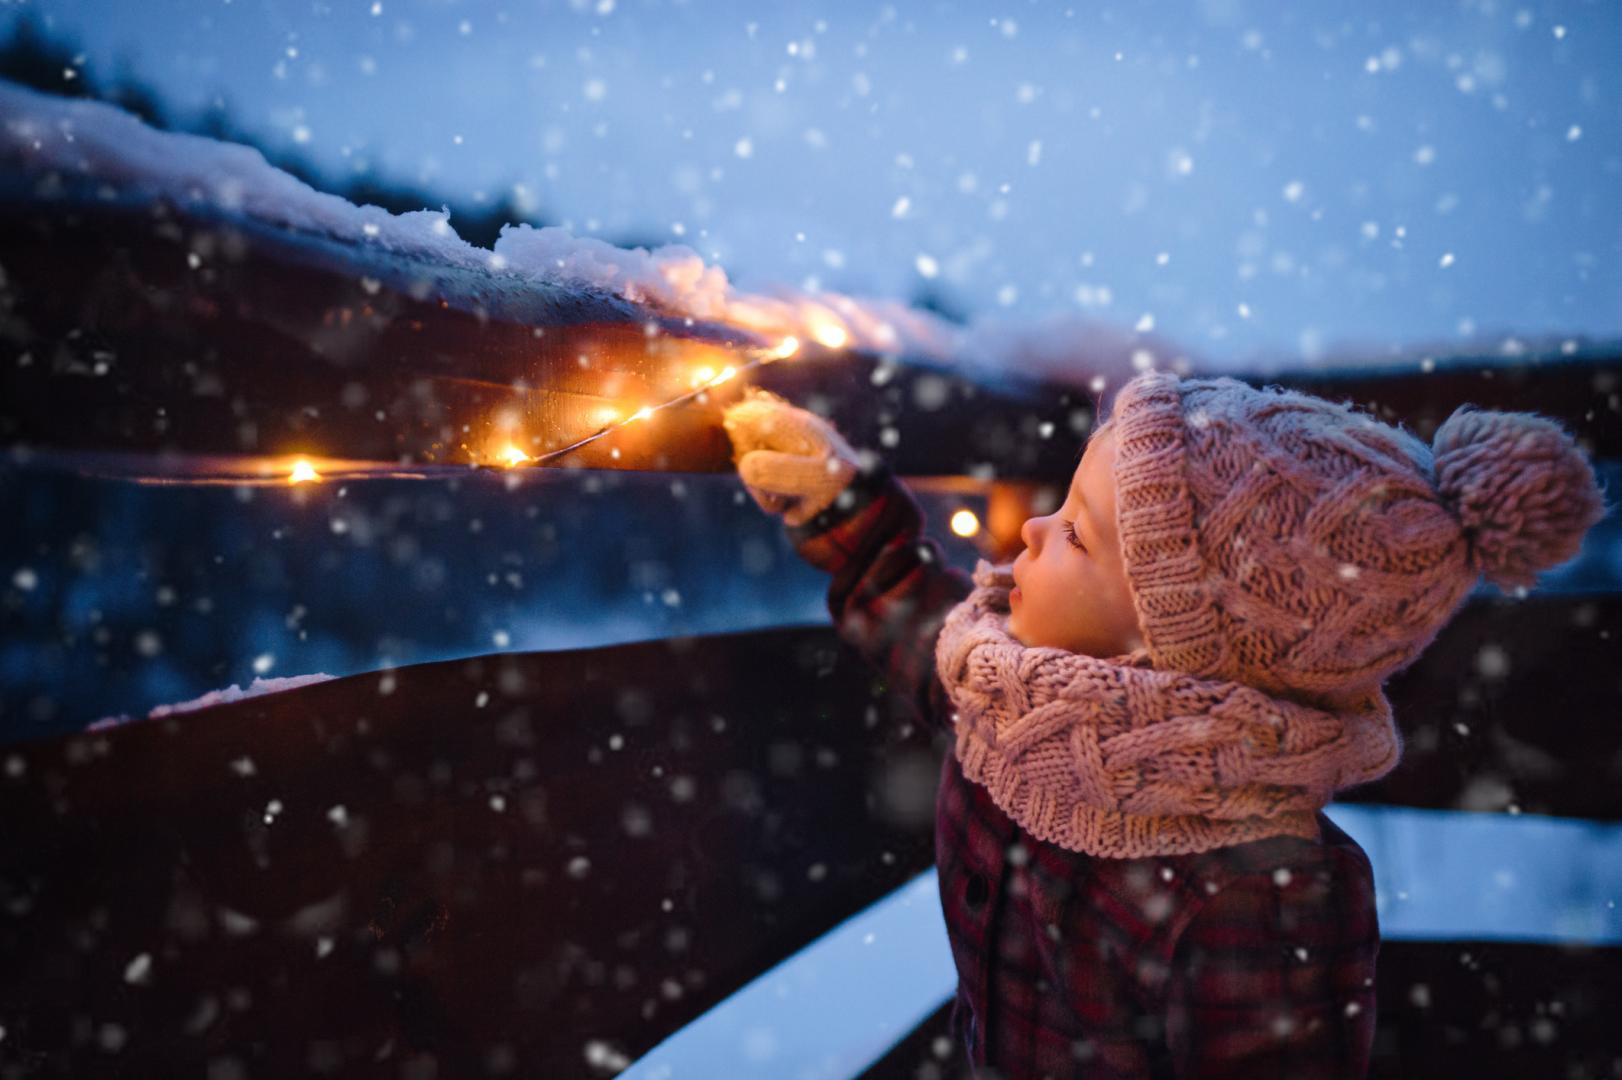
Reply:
x=1114, y=758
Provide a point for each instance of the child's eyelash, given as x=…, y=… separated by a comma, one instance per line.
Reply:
x=1070, y=535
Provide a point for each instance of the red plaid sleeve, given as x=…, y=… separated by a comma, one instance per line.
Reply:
x=1274, y=977
x=890, y=588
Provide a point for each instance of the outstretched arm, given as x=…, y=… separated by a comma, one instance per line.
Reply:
x=890, y=588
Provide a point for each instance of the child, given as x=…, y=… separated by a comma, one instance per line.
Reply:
x=1154, y=702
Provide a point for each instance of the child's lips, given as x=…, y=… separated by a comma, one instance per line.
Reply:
x=1013, y=594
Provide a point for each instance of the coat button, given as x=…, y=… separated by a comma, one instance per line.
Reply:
x=976, y=891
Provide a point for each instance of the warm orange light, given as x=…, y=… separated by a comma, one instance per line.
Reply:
x=726, y=373
x=641, y=414
x=606, y=414
x=514, y=456
x=704, y=376
x=303, y=472
x=830, y=334
x=964, y=523
x=787, y=347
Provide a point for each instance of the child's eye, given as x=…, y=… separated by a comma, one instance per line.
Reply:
x=1070, y=535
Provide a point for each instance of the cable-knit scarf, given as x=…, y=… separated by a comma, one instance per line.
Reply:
x=1118, y=759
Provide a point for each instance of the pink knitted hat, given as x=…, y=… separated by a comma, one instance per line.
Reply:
x=1299, y=546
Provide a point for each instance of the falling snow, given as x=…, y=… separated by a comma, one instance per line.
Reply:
x=1072, y=194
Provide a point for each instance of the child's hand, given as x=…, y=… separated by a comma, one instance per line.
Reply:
x=792, y=461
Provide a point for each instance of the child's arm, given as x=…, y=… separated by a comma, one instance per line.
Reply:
x=890, y=588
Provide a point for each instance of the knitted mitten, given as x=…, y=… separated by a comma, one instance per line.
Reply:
x=792, y=461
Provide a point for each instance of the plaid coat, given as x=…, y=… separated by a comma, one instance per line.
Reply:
x=1251, y=961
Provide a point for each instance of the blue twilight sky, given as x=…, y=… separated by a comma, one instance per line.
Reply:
x=1254, y=177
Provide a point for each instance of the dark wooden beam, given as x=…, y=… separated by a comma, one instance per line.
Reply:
x=167, y=340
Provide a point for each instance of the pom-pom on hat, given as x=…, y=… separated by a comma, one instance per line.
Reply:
x=1523, y=493
x=1300, y=546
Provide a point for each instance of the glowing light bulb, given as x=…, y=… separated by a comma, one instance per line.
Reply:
x=641, y=414
x=303, y=472
x=704, y=376
x=964, y=523
x=834, y=337
x=787, y=347
x=514, y=456
x=726, y=373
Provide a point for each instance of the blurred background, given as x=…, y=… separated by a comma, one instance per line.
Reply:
x=1253, y=178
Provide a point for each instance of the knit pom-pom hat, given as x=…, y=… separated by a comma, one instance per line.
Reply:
x=1301, y=547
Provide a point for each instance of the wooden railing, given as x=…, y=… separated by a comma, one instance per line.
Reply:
x=518, y=854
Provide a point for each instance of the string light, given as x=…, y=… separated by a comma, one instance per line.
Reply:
x=965, y=524
x=514, y=457
x=827, y=334
x=303, y=473
x=830, y=335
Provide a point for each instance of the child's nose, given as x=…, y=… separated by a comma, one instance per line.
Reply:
x=1028, y=531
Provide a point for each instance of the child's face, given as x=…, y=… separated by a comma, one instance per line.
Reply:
x=1073, y=594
